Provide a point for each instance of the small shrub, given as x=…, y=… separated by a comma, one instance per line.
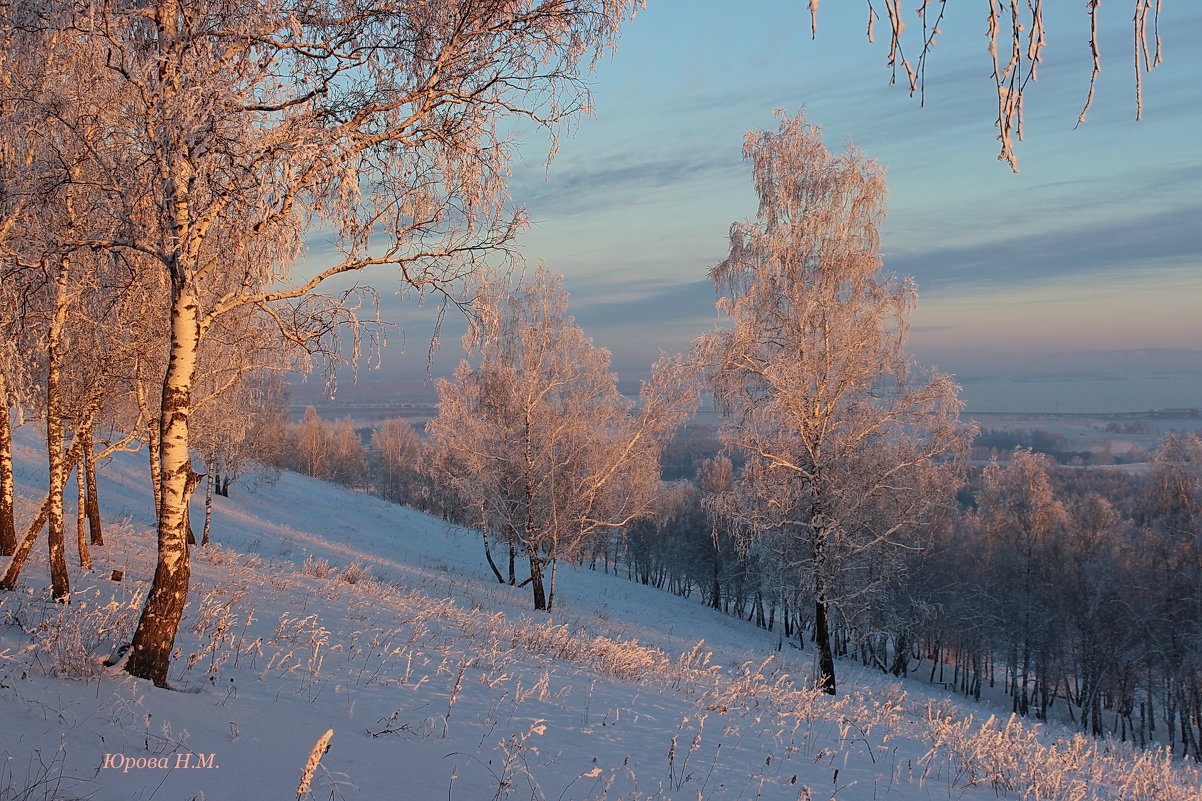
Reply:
x=355, y=572
x=317, y=568
x=216, y=554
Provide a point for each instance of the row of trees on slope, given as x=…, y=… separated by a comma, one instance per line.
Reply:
x=1077, y=592
x=1072, y=591
x=390, y=466
x=849, y=453
x=842, y=523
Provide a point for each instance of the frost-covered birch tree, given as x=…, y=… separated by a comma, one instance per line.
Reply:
x=537, y=437
x=59, y=297
x=396, y=457
x=848, y=446
x=1176, y=498
x=243, y=125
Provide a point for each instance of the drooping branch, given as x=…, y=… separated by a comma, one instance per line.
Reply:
x=1017, y=28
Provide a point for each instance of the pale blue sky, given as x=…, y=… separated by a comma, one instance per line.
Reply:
x=1076, y=284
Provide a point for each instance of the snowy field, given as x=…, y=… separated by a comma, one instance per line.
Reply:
x=322, y=609
x=1120, y=434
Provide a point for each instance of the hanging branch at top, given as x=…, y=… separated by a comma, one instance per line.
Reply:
x=1016, y=35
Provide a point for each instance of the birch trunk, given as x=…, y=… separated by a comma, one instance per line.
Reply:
x=55, y=536
x=150, y=652
x=190, y=489
x=81, y=517
x=8, y=526
x=204, y=537
x=488, y=555
x=152, y=440
x=822, y=635
x=532, y=532
x=513, y=557
x=8, y=581
x=93, y=505
x=536, y=579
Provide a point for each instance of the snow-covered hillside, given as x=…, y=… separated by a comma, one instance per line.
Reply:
x=321, y=609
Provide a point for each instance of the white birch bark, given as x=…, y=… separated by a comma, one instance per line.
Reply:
x=55, y=535
x=154, y=638
x=8, y=529
x=81, y=519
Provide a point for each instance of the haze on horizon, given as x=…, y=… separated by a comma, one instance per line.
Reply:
x=1071, y=286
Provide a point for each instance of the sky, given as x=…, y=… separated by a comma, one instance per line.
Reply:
x=1074, y=285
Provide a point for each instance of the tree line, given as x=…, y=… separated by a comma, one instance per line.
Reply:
x=849, y=520
x=1073, y=591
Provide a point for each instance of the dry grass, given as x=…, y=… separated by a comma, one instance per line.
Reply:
x=438, y=650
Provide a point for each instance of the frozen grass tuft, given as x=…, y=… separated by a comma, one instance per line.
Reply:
x=72, y=640
x=319, y=749
x=1014, y=759
x=318, y=568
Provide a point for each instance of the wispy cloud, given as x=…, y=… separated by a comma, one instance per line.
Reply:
x=1125, y=247
x=577, y=186
x=689, y=301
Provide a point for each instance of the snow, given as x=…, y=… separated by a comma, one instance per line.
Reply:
x=439, y=683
